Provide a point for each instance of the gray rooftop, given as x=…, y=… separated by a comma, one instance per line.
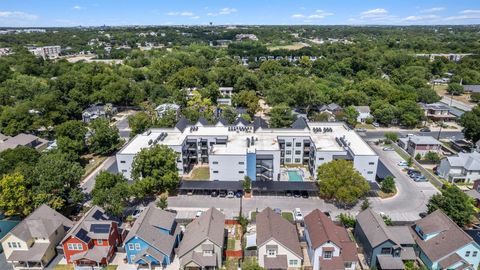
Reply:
x=95, y=224
x=209, y=226
x=147, y=227
x=468, y=161
x=435, y=106
x=472, y=88
x=374, y=228
x=428, y=140
x=362, y=109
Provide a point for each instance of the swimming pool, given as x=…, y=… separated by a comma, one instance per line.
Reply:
x=294, y=176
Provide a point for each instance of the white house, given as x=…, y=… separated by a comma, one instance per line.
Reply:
x=464, y=167
x=278, y=244
x=329, y=246
x=363, y=113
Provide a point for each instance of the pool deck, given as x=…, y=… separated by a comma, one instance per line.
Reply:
x=284, y=171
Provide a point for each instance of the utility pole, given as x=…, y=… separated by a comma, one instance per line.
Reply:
x=440, y=131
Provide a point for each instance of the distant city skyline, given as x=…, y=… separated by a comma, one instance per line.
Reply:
x=48, y=13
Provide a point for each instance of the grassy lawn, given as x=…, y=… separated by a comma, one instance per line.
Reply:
x=92, y=163
x=365, y=126
x=63, y=267
x=384, y=195
x=200, y=173
x=253, y=216
x=288, y=216
x=111, y=267
x=290, y=47
x=231, y=244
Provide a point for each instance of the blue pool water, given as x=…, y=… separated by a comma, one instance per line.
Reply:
x=294, y=176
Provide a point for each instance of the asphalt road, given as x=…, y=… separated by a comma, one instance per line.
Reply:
x=455, y=103
x=372, y=134
x=109, y=164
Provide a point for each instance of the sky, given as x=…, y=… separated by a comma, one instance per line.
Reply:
x=45, y=13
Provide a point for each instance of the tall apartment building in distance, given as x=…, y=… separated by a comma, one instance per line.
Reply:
x=264, y=154
x=46, y=51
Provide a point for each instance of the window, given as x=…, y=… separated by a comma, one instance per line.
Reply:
x=137, y=246
x=327, y=254
x=215, y=171
x=74, y=246
x=467, y=254
x=9, y=245
x=369, y=172
x=18, y=244
x=386, y=251
x=241, y=163
x=122, y=161
x=297, y=160
x=298, y=152
x=271, y=252
x=241, y=172
x=288, y=152
x=474, y=254
x=131, y=258
x=215, y=162
x=298, y=144
x=371, y=163
x=124, y=170
x=130, y=246
x=321, y=158
x=14, y=244
x=348, y=265
x=100, y=241
x=288, y=160
x=208, y=252
x=288, y=144
x=292, y=262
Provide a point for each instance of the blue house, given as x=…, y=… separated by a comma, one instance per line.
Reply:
x=443, y=245
x=152, y=239
x=6, y=225
x=385, y=247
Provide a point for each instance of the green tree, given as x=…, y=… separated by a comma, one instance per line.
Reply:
x=168, y=119
x=347, y=220
x=338, y=180
x=158, y=166
x=246, y=99
x=247, y=184
x=162, y=202
x=454, y=203
x=20, y=158
x=455, y=89
x=475, y=97
x=409, y=161
x=104, y=139
x=56, y=180
x=251, y=265
x=281, y=116
x=388, y=185
x=365, y=204
x=471, y=124
x=229, y=114
x=387, y=220
x=432, y=156
x=391, y=137
x=139, y=122
x=418, y=156
x=350, y=114
x=15, y=196
x=111, y=191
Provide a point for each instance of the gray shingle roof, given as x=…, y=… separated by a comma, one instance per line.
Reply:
x=449, y=236
x=374, y=228
x=429, y=140
x=300, y=123
x=241, y=120
x=209, y=226
x=147, y=227
x=259, y=122
x=468, y=161
x=363, y=109
x=42, y=223
x=95, y=224
x=222, y=121
x=202, y=121
x=182, y=124
x=271, y=225
x=472, y=88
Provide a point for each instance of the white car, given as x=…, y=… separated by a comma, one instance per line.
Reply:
x=199, y=213
x=297, y=213
x=230, y=194
x=402, y=164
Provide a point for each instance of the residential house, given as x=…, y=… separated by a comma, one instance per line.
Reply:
x=98, y=111
x=363, y=113
x=93, y=241
x=22, y=139
x=153, y=238
x=437, y=111
x=385, y=247
x=278, y=244
x=226, y=91
x=6, y=225
x=162, y=109
x=420, y=145
x=331, y=110
x=31, y=244
x=471, y=88
x=203, y=242
x=443, y=245
x=463, y=167
x=329, y=246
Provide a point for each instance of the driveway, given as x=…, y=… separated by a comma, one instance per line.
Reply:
x=411, y=198
x=88, y=182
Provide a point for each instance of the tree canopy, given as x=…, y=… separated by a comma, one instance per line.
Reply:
x=454, y=203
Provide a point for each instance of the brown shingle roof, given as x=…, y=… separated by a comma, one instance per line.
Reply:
x=273, y=226
x=278, y=262
x=450, y=237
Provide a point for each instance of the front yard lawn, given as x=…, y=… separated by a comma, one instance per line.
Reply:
x=200, y=173
x=288, y=216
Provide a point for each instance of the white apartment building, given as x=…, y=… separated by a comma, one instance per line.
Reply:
x=242, y=149
x=46, y=51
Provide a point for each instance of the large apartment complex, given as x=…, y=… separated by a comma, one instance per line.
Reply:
x=243, y=149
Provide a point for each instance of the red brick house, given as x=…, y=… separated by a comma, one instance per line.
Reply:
x=93, y=240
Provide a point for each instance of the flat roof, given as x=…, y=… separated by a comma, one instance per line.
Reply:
x=265, y=139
